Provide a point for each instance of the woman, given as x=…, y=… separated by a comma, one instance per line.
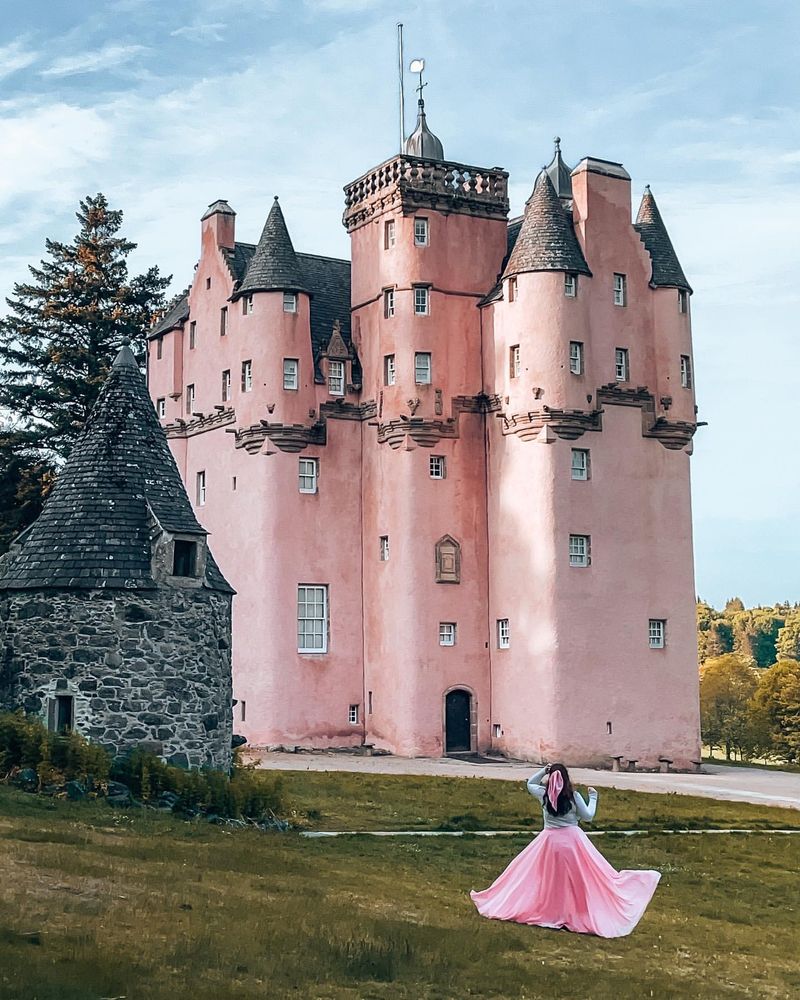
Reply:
x=560, y=879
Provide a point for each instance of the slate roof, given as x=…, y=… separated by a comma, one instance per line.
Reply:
x=667, y=271
x=177, y=312
x=559, y=173
x=274, y=265
x=94, y=530
x=546, y=240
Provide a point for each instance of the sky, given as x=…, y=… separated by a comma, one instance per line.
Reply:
x=166, y=105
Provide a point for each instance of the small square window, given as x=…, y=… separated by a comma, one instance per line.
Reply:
x=184, y=558
x=447, y=633
x=421, y=305
x=308, y=473
x=437, y=466
x=503, y=633
x=159, y=348
x=580, y=463
x=352, y=715
x=201, y=488
x=247, y=305
x=420, y=232
x=384, y=548
x=683, y=300
x=290, y=302
x=290, y=373
x=512, y=289
x=514, y=361
x=575, y=357
x=686, y=371
x=388, y=303
x=336, y=378
x=226, y=385
x=622, y=371
x=190, y=399
x=657, y=633
x=247, y=376
x=620, y=290
x=223, y=321
x=579, y=546
x=161, y=408
x=389, y=234
x=422, y=368
x=389, y=370
x=570, y=285
x=192, y=335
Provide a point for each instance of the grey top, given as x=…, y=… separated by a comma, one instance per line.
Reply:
x=580, y=809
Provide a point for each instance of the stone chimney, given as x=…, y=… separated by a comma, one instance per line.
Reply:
x=220, y=221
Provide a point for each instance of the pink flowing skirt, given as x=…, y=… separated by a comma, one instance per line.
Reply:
x=562, y=880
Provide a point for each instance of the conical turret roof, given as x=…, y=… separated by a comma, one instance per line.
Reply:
x=559, y=173
x=422, y=142
x=95, y=528
x=547, y=240
x=667, y=271
x=274, y=265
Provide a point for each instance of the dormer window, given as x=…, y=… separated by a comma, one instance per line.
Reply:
x=420, y=232
x=570, y=285
x=184, y=558
x=336, y=378
x=290, y=302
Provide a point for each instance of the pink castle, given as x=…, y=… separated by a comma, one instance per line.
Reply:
x=450, y=482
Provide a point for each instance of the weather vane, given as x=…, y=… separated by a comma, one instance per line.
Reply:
x=417, y=66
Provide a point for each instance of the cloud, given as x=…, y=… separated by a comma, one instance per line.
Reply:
x=14, y=57
x=108, y=57
x=209, y=32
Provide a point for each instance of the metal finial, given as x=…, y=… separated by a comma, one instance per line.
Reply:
x=276, y=197
x=557, y=141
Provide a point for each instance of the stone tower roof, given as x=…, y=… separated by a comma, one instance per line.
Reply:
x=559, y=173
x=274, y=265
x=667, y=271
x=422, y=142
x=546, y=240
x=95, y=528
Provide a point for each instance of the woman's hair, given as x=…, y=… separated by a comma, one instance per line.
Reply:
x=564, y=802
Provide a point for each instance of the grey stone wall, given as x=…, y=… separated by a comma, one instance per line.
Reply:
x=145, y=667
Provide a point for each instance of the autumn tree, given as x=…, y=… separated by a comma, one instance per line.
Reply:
x=65, y=326
x=727, y=685
x=777, y=700
x=788, y=644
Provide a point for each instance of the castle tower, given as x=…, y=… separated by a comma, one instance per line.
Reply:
x=116, y=620
x=428, y=238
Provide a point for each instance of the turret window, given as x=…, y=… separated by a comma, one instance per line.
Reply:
x=420, y=232
x=190, y=399
x=290, y=373
x=421, y=300
x=389, y=234
x=657, y=633
x=422, y=368
x=247, y=376
x=579, y=550
x=201, y=488
x=161, y=408
x=570, y=285
x=192, y=335
x=308, y=475
x=336, y=378
x=503, y=634
x=312, y=618
x=384, y=548
x=514, y=361
x=388, y=303
x=622, y=367
x=389, y=369
x=226, y=385
x=580, y=463
x=683, y=300
x=223, y=321
x=290, y=302
x=620, y=290
x=247, y=305
x=512, y=289
x=447, y=633
x=437, y=466
x=686, y=371
x=576, y=357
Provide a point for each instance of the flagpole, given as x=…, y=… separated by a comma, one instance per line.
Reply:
x=402, y=93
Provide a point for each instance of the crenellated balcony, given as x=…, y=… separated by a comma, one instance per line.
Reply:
x=413, y=183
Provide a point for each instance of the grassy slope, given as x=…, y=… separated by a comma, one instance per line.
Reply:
x=97, y=904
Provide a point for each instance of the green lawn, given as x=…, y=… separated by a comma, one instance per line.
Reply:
x=96, y=904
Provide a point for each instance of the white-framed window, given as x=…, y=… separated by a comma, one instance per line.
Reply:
x=570, y=285
x=503, y=633
x=580, y=463
x=421, y=303
x=686, y=371
x=389, y=369
x=336, y=378
x=422, y=368
x=447, y=633
x=291, y=376
x=161, y=408
x=512, y=288
x=290, y=302
x=515, y=363
x=384, y=548
x=352, y=714
x=247, y=305
x=308, y=475
x=437, y=467
x=192, y=335
x=620, y=290
x=388, y=303
x=223, y=321
x=190, y=399
x=420, y=232
x=226, y=385
x=389, y=234
x=200, y=483
x=579, y=550
x=657, y=633
x=683, y=300
x=247, y=376
x=312, y=618
x=576, y=357
x=622, y=367
x=497, y=730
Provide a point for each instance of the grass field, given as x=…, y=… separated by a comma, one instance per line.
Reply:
x=96, y=904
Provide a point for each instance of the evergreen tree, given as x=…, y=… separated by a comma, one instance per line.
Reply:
x=24, y=484
x=788, y=644
x=66, y=325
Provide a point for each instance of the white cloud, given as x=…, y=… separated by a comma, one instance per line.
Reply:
x=14, y=57
x=108, y=57
x=205, y=32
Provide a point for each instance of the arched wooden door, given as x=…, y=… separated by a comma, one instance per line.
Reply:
x=457, y=719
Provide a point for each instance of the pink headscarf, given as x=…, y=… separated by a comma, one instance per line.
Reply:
x=554, y=786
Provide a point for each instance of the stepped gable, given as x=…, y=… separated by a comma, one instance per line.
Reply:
x=96, y=526
x=667, y=271
x=274, y=265
x=546, y=240
x=176, y=313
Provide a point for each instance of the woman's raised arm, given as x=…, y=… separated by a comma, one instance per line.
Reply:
x=534, y=784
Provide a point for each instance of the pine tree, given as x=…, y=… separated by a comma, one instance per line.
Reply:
x=24, y=485
x=66, y=325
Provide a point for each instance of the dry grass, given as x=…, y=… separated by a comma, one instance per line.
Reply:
x=95, y=904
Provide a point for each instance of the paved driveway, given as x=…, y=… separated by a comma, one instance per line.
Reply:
x=738, y=784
